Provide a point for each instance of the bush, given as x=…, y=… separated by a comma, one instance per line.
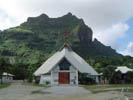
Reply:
x=47, y=82
x=129, y=77
x=30, y=78
x=85, y=80
x=37, y=80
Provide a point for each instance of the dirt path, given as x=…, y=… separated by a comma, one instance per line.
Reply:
x=17, y=91
x=66, y=90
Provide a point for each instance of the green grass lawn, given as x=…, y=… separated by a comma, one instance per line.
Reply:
x=103, y=87
x=4, y=85
x=39, y=92
x=120, y=85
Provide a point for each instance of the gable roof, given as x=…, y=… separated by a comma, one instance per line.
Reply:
x=7, y=74
x=72, y=58
x=123, y=69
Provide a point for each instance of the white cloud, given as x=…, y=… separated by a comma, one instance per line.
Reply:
x=110, y=35
x=128, y=50
x=105, y=17
x=5, y=20
x=98, y=14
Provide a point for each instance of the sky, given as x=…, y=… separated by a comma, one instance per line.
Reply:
x=110, y=20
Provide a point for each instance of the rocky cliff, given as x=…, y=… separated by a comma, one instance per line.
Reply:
x=39, y=37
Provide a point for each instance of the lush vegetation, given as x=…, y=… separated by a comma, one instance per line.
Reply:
x=39, y=37
x=102, y=62
x=107, y=66
x=24, y=48
x=84, y=80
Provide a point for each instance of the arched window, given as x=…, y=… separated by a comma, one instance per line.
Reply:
x=64, y=65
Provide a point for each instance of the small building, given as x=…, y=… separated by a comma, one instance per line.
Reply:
x=64, y=68
x=123, y=69
x=7, y=77
x=124, y=74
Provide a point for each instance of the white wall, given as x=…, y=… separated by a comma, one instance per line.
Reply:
x=55, y=75
x=45, y=78
x=7, y=79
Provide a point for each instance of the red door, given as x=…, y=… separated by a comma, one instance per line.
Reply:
x=64, y=77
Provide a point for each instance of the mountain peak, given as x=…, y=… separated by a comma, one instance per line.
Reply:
x=69, y=14
x=44, y=16
x=48, y=30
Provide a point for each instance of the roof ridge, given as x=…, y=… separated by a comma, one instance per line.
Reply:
x=68, y=47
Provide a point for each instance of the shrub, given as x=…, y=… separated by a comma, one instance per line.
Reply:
x=85, y=80
x=47, y=82
x=30, y=78
x=37, y=80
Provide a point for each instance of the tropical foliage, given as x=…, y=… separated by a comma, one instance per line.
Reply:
x=24, y=48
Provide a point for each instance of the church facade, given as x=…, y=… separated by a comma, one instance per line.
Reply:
x=62, y=73
x=63, y=68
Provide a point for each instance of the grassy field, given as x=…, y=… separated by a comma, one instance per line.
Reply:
x=4, y=85
x=39, y=92
x=108, y=87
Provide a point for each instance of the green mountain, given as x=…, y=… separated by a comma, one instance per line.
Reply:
x=39, y=37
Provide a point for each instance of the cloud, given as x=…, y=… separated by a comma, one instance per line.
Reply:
x=98, y=14
x=128, y=50
x=5, y=20
x=105, y=17
x=111, y=35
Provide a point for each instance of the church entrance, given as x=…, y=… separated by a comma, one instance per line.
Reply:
x=64, y=77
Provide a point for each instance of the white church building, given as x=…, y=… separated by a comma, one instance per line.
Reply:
x=64, y=67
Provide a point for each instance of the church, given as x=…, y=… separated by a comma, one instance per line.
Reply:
x=64, y=68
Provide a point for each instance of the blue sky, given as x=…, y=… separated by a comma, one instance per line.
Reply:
x=128, y=39
x=129, y=35
x=110, y=20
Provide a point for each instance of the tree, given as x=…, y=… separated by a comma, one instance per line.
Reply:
x=117, y=78
x=129, y=77
x=109, y=72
